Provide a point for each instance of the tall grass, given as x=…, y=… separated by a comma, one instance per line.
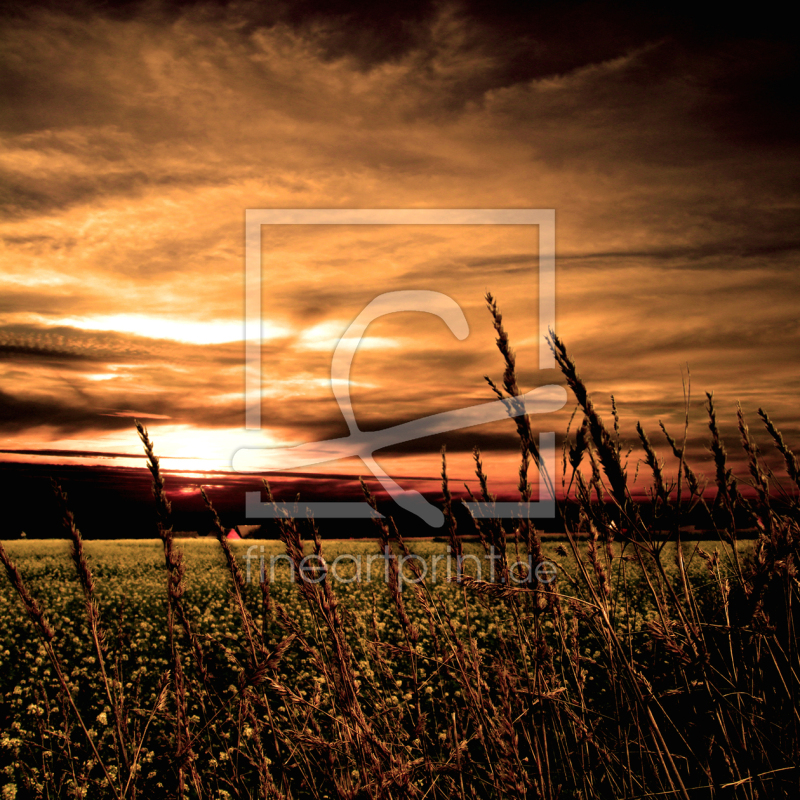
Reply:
x=650, y=667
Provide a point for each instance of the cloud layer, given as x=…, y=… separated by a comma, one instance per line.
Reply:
x=134, y=138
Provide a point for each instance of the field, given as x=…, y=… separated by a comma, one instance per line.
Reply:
x=396, y=681
x=620, y=663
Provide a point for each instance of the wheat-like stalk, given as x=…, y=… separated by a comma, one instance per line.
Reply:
x=96, y=631
x=790, y=459
x=176, y=571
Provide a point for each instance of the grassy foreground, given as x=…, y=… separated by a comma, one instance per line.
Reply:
x=638, y=666
x=400, y=682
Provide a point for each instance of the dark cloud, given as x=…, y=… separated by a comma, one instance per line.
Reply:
x=21, y=412
x=22, y=197
x=59, y=341
x=14, y=351
x=73, y=453
x=536, y=39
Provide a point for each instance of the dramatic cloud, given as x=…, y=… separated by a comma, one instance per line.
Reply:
x=135, y=136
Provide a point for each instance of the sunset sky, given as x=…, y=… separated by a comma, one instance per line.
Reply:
x=136, y=135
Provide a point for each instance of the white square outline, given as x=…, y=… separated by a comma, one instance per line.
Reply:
x=256, y=217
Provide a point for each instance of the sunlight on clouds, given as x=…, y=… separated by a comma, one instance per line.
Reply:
x=42, y=277
x=212, y=332
x=300, y=386
x=140, y=415
x=185, y=447
x=326, y=336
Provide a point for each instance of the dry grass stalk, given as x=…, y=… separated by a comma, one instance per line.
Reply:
x=239, y=583
x=510, y=380
x=726, y=483
x=759, y=478
x=790, y=459
x=176, y=570
x=93, y=616
x=656, y=467
x=606, y=451
x=528, y=446
x=452, y=537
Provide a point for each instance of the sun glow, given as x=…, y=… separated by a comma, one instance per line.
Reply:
x=179, y=447
x=191, y=332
